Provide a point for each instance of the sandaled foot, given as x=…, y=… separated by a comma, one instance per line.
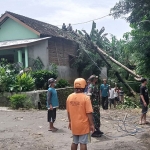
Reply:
x=54, y=130
x=141, y=123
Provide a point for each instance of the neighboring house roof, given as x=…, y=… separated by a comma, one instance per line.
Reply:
x=40, y=28
x=20, y=43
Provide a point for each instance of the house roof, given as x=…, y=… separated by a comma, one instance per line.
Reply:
x=41, y=28
x=20, y=43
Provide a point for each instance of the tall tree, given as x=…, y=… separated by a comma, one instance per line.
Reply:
x=139, y=19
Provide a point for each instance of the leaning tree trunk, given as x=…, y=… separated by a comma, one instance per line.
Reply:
x=117, y=74
x=86, y=42
x=137, y=77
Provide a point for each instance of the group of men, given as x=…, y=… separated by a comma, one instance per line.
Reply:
x=83, y=108
x=64, y=28
x=116, y=96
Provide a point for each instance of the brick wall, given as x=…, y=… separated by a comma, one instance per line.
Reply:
x=59, y=51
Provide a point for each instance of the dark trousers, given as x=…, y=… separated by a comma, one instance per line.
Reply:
x=105, y=103
x=51, y=116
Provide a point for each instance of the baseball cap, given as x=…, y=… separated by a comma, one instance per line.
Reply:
x=51, y=80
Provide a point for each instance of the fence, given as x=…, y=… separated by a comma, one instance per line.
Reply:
x=39, y=96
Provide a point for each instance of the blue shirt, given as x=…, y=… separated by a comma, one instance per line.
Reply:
x=104, y=90
x=52, y=98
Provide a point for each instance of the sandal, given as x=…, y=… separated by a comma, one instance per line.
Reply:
x=140, y=123
x=54, y=130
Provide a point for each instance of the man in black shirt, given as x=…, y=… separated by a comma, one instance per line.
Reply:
x=144, y=99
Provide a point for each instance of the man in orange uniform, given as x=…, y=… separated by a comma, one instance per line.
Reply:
x=80, y=117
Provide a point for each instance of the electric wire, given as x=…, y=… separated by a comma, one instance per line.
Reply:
x=95, y=63
x=126, y=126
x=89, y=20
x=126, y=122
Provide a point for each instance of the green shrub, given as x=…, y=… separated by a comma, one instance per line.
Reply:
x=20, y=101
x=24, y=82
x=129, y=102
x=11, y=81
x=62, y=83
x=41, y=78
x=17, y=100
x=27, y=104
x=7, y=76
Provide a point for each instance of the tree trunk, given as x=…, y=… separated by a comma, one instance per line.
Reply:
x=78, y=38
x=137, y=77
x=117, y=74
x=125, y=83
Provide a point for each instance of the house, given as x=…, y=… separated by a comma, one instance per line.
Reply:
x=36, y=44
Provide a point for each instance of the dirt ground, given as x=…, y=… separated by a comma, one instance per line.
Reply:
x=28, y=130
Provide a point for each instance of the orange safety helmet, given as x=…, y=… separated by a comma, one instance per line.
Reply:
x=79, y=83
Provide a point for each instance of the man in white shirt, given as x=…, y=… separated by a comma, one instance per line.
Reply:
x=111, y=97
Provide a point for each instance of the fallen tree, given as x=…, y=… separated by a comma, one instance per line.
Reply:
x=85, y=43
x=137, y=77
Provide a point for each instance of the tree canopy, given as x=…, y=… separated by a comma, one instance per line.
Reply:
x=138, y=44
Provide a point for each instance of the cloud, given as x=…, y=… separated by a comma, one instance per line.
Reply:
x=71, y=11
x=57, y=12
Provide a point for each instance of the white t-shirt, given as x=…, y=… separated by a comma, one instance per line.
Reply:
x=116, y=93
x=111, y=93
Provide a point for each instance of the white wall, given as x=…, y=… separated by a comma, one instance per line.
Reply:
x=67, y=73
x=39, y=50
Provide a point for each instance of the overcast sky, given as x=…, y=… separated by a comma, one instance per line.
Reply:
x=57, y=12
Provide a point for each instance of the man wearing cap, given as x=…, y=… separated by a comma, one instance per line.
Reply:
x=93, y=93
x=104, y=89
x=52, y=104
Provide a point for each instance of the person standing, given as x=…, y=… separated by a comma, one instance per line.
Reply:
x=80, y=116
x=144, y=100
x=116, y=95
x=111, y=97
x=104, y=90
x=121, y=95
x=52, y=104
x=94, y=96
